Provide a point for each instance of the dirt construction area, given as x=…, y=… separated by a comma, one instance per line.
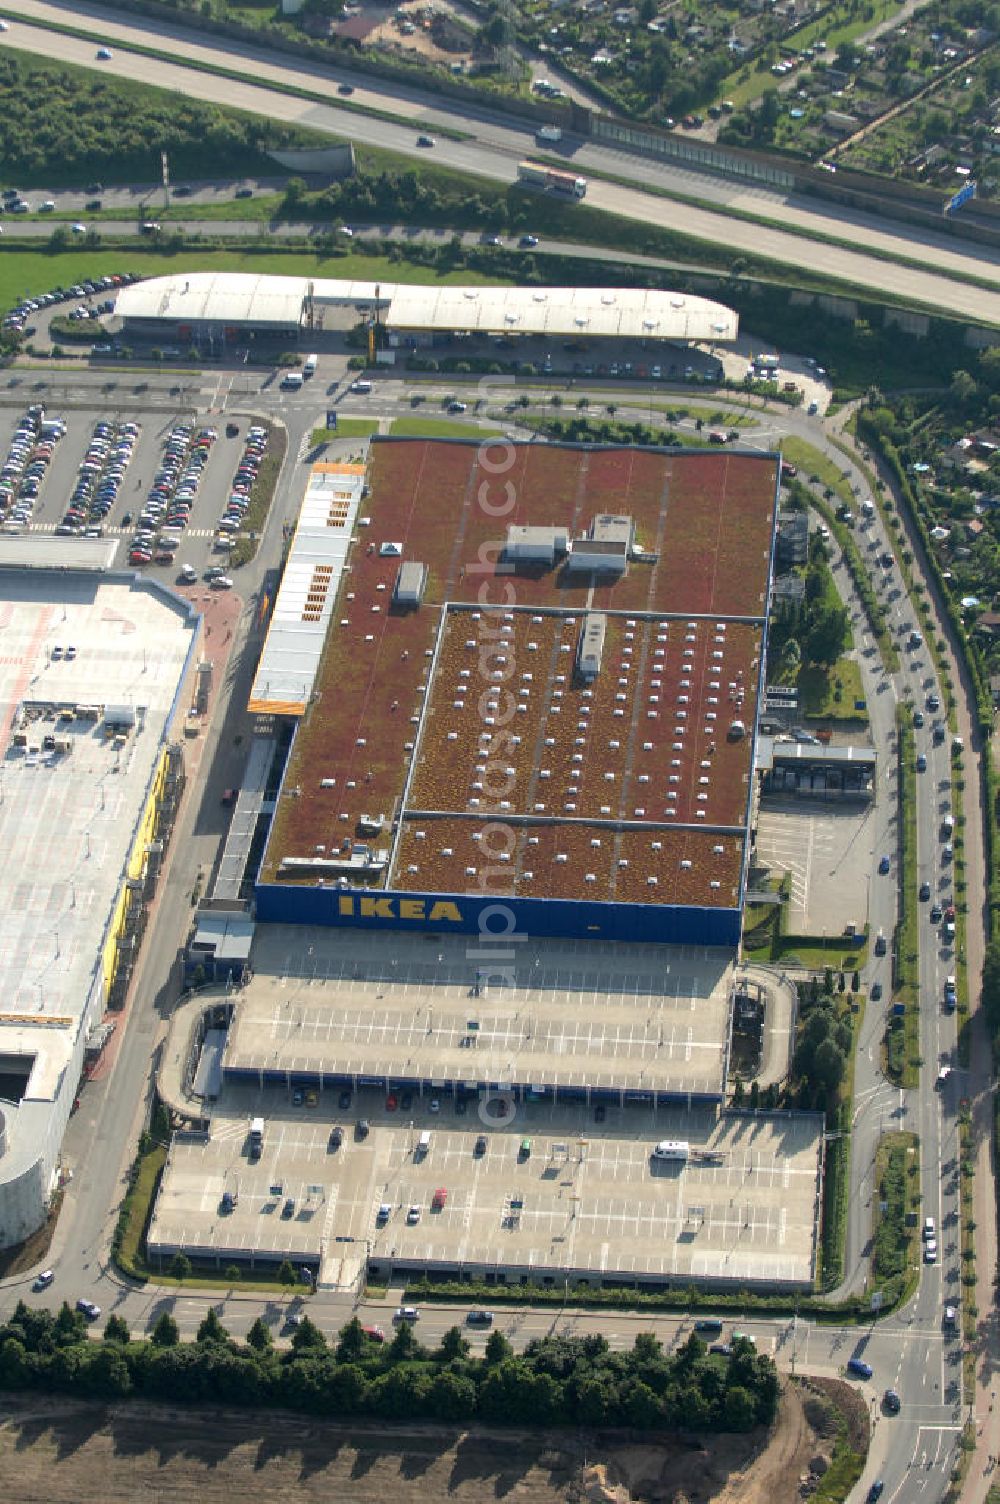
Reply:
x=67, y=1452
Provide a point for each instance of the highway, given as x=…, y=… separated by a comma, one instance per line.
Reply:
x=493, y=146
x=909, y=1350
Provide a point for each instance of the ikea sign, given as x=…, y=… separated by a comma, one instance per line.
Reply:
x=420, y=910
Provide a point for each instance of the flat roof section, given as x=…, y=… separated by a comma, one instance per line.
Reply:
x=243, y=298
x=573, y=312
x=646, y=740
x=216, y=297
x=587, y=1201
x=23, y=550
x=309, y=586
x=620, y=1018
x=70, y=811
x=405, y=696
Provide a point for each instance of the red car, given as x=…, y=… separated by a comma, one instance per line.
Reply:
x=439, y=1198
x=375, y=1333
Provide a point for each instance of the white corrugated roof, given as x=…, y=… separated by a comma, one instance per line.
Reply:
x=631, y=313
x=216, y=297
x=308, y=591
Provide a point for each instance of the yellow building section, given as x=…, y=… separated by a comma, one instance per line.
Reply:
x=133, y=869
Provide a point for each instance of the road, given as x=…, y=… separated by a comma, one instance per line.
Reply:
x=494, y=146
x=910, y=1350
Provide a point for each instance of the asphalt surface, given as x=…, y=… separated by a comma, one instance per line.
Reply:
x=495, y=145
x=909, y=1350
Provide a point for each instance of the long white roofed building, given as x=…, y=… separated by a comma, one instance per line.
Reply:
x=199, y=305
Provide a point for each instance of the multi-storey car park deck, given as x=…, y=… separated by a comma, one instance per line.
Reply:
x=540, y=683
x=588, y=1202
x=435, y=1015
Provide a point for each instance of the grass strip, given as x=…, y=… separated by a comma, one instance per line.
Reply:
x=836, y=1191
x=261, y=495
x=129, y=1236
x=895, y=1266
x=967, y=1244
x=347, y=428
x=903, y=1044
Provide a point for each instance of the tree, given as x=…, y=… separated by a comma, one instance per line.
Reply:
x=739, y=1410
x=963, y=387
x=352, y=1341
x=498, y=1350
x=180, y=1266
x=306, y=1336
x=827, y=636
x=647, y=1348
x=211, y=1328
x=829, y=1065
x=259, y=1336
x=452, y=1396
x=165, y=1332
x=286, y=1273
x=105, y=1371
x=404, y=1344
x=640, y=1406
x=69, y=1326
x=453, y=1345
x=116, y=1330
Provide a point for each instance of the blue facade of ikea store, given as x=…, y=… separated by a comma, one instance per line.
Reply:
x=468, y=914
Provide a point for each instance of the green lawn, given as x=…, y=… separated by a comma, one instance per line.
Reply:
x=811, y=461
x=347, y=428
x=830, y=693
x=27, y=271
x=434, y=428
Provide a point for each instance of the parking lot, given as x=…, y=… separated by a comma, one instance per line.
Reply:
x=829, y=857
x=546, y=1188
x=326, y=1004
x=149, y=438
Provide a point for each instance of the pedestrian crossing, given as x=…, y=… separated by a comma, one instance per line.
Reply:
x=114, y=532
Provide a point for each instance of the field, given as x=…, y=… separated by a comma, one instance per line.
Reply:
x=69, y=1452
x=27, y=271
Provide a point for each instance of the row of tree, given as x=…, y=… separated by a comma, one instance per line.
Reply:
x=555, y=1381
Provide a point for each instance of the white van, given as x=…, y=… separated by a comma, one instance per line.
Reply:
x=423, y=1144
x=291, y=381
x=309, y=369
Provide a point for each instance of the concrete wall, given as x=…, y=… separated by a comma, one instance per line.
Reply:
x=330, y=161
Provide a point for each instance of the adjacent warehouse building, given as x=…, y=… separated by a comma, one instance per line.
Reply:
x=560, y=717
x=229, y=306
x=90, y=676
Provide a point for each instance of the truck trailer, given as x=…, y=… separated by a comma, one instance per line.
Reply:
x=551, y=180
